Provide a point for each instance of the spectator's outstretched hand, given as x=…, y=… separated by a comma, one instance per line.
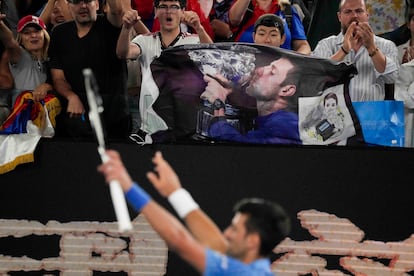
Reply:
x=164, y=178
x=191, y=19
x=130, y=17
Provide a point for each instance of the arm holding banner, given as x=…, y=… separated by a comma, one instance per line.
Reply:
x=301, y=46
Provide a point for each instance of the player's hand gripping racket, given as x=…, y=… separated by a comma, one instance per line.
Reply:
x=95, y=108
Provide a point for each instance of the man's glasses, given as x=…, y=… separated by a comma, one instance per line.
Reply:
x=172, y=8
x=75, y=2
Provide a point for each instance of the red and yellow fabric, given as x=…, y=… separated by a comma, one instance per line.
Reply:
x=23, y=128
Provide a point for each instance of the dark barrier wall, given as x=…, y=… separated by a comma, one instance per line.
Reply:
x=369, y=187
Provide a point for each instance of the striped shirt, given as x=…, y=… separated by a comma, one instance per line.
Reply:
x=368, y=84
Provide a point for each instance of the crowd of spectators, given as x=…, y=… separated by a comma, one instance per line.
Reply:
x=52, y=40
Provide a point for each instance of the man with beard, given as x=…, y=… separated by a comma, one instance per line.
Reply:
x=89, y=41
x=274, y=88
x=374, y=57
x=149, y=46
x=257, y=227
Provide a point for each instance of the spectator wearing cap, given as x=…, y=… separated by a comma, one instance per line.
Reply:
x=27, y=56
x=268, y=30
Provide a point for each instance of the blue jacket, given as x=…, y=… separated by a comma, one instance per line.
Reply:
x=280, y=127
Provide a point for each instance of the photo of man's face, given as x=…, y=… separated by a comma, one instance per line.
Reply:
x=266, y=81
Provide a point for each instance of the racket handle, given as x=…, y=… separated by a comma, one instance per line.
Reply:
x=120, y=206
x=118, y=199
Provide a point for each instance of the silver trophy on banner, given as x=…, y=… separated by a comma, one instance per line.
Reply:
x=236, y=66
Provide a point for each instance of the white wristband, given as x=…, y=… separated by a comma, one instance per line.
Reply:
x=182, y=202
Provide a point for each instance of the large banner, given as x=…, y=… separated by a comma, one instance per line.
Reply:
x=272, y=96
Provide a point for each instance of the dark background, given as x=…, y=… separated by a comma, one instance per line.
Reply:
x=370, y=186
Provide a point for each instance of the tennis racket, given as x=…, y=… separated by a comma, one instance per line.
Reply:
x=95, y=109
